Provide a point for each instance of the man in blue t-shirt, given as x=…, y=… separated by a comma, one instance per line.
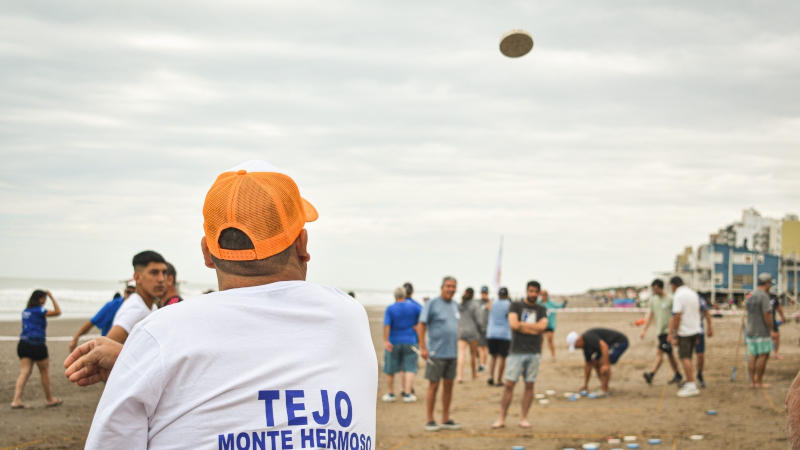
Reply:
x=104, y=318
x=439, y=319
x=409, y=291
x=399, y=336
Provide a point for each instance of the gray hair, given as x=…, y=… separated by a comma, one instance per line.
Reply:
x=448, y=278
x=400, y=292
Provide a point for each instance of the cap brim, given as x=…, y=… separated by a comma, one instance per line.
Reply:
x=310, y=212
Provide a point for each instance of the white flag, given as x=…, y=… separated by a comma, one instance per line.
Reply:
x=498, y=270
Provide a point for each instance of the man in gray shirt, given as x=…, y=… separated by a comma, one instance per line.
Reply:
x=439, y=318
x=759, y=330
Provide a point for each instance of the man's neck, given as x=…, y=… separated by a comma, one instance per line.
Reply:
x=528, y=301
x=148, y=299
x=227, y=281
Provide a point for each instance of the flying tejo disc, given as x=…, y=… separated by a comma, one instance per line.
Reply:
x=516, y=43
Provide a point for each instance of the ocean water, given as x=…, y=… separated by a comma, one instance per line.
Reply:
x=82, y=298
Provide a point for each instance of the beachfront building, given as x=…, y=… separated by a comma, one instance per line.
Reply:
x=726, y=268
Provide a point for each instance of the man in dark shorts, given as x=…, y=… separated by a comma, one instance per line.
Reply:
x=601, y=348
x=498, y=334
x=777, y=309
x=660, y=313
x=439, y=318
x=685, y=327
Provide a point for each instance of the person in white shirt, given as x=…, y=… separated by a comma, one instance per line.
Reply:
x=149, y=272
x=685, y=330
x=269, y=361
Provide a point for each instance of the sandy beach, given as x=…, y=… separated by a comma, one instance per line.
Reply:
x=745, y=418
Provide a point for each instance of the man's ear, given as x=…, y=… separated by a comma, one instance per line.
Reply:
x=301, y=246
x=206, y=253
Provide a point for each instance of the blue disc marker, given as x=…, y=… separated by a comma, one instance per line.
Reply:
x=654, y=441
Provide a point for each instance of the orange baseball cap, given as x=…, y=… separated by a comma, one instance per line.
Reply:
x=261, y=201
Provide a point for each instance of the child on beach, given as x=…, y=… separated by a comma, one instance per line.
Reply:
x=32, y=348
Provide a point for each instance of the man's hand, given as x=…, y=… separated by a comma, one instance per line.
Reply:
x=388, y=346
x=674, y=339
x=92, y=361
x=710, y=332
x=605, y=368
x=424, y=353
x=774, y=334
x=641, y=335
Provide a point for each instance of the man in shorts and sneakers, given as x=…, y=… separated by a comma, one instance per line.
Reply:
x=528, y=320
x=601, y=348
x=439, y=319
x=684, y=330
x=660, y=312
x=760, y=330
x=399, y=337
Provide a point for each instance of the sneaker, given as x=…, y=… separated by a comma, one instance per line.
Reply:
x=689, y=390
x=432, y=426
x=600, y=393
x=490, y=381
x=648, y=377
x=389, y=398
x=450, y=425
x=481, y=368
x=409, y=398
x=676, y=379
x=701, y=381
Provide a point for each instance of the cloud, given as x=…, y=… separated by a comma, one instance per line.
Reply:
x=626, y=134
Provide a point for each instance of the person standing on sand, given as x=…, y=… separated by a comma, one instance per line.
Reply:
x=439, y=319
x=268, y=358
x=551, y=319
x=104, y=318
x=685, y=327
x=483, y=343
x=602, y=348
x=409, y=292
x=760, y=330
x=498, y=335
x=700, y=348
x=171, y=293
x=776, y=308
x=661, y=313
x=32, y=347
x=469, y=330
x=399, y=336
x=149, y=272
x=528, y=320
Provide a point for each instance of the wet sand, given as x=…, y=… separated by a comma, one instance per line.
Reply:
x=746, y=418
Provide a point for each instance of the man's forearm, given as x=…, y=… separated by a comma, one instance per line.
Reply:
x=86, y=327
x=421, y=335
x=587, y=372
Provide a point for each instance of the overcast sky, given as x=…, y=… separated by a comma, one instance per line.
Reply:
x=630, y=131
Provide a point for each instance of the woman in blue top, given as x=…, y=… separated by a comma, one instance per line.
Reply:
x=32, y=349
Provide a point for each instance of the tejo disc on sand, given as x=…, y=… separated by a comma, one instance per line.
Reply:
x=696, y=437
x=516, y=43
